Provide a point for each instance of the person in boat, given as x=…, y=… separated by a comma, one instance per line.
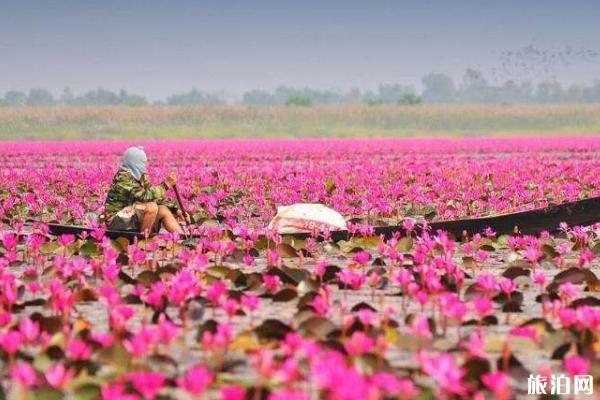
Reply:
x=133, y=204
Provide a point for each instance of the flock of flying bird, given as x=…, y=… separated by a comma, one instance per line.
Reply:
x=542, y=64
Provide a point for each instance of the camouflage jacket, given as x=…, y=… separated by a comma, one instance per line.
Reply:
x=126, y=190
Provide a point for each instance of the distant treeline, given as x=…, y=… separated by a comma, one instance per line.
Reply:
x=437, y=88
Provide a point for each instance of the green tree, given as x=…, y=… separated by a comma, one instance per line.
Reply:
x=410, y=99
x=194, y=98
x=67, y=96
x=438, y=88
x=40, y=97
x=391, y=93
x=132, y=100
x=14, y=98
x=374, y=101
x=549, y=92
x=475, y=88
x=300, y=101
x=98, y=97
x=258, y=98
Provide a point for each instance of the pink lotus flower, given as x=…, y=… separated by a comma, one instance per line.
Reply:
x=147, y=383
x=507, y=286
x=65, y=240
x=98, y=234
x=393, y=386
x=288, y=372
x=250, y=302
x=489, y=232
x=588, y=317
x=118, y=316
x=136, y=255
x=196, y=380
x=567, y=291
x=533, y=255
x=58, y=376
x=483, y=306
x=156, y=296
x=320, y=268
x=78, y=350
x=220, y=339
x=216, y=292
x=499, y=383
x=5, y=318
x=586, y=257
x=367, y=317
x=408, y=224
x=539, y=279
x=527, y=332
x=481, y=256
x=264, y=363
x=248, y=260
x=23, y=374
x=231, y=307
x=103, y=339
x=8, y=294
x=452, y=307
x=403, y=277
x=116, y=392
x=359, y=343
x=11, y=341
x=443, y=369
x=422, y=298
x=273, y=258
x=468, y=248
x=29, y=330
x=138, y=346
x=9, y=241
x=487, y=283
x=232, y=393
x=577, y=365
x=362, y=258
x=476, y=345
x=567, y=317
x=321, y=303
x=351, y=279
x=272, y=282
x=419, y=327
x=110, y=294
x=165, y=332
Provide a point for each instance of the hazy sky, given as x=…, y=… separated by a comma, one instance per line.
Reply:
x=159, y=47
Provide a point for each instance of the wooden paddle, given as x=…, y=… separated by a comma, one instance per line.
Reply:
x=182, y=208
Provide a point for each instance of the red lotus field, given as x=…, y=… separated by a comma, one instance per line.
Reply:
x=242, y=312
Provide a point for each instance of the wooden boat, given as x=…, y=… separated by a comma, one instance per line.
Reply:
x=581, y=212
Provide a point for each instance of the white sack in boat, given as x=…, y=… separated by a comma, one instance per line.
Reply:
x=306, y=217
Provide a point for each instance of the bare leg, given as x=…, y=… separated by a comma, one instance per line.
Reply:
x=168, y=220
x=150, y=215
